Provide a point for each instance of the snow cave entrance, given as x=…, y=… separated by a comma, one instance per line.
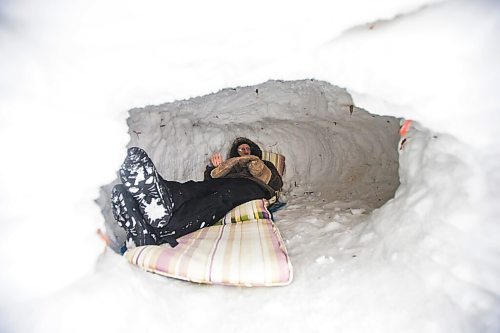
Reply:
x=335, y=152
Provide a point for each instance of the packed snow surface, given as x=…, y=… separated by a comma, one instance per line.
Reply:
x=425, y=258
x=332, y=147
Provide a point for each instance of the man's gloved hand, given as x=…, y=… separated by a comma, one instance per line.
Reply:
x=259, y=170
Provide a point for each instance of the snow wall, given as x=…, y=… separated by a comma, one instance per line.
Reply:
x=332, y=147
x=427, y=261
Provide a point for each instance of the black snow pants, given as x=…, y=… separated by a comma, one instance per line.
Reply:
x=201, y=204
x=195, y=205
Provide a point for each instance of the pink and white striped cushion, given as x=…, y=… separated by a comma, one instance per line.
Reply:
x=240, y=254
x=277, y=159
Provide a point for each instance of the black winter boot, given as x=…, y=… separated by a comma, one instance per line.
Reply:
x=126, y=213
x=141, y=179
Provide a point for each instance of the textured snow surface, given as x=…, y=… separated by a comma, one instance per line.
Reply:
x=330, y=151
x=427, y=260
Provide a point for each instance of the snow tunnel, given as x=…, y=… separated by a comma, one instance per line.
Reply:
x=335, y=151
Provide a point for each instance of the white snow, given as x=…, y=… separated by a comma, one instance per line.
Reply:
x=155, y=210
x=428, y=260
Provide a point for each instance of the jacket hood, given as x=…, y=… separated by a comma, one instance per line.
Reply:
x=254, y=149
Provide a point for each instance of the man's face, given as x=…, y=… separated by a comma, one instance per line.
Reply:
x=243, y=149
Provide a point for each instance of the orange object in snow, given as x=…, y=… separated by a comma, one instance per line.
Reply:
x=404, y=129
x=103, y=236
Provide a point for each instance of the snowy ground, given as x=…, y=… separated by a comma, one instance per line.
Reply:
x=426, y=261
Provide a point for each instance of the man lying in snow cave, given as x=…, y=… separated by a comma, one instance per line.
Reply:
x=154, y=211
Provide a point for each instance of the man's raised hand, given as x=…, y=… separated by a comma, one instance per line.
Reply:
x=216, y=159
